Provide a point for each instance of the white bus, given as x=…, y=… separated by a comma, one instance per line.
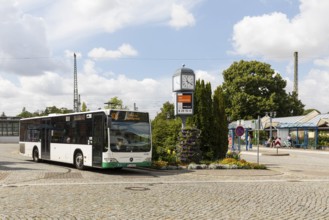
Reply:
x=102, y=139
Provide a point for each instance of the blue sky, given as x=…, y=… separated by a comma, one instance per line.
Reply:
x=131, y=49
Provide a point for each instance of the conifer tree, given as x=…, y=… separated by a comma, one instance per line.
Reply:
x=220, y=128
x=203, y=118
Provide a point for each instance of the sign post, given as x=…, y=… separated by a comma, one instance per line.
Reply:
x=239, y=131
x=258, y=128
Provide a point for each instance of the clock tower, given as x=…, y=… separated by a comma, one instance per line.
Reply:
x=183, y=85
x=183, y=80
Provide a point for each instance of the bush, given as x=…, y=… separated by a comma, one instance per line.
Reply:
x=233, y=154
x=229, y=161
x=242, y=164
x=207, y=162
x=159, y=164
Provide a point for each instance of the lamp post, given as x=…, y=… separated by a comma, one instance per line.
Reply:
x=271, y=114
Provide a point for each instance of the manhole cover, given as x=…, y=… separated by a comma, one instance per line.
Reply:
x=54, y=175
x=136, y=188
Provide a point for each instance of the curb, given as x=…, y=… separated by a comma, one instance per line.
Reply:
x=275, y=154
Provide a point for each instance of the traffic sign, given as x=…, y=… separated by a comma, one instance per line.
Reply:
x=239, y=131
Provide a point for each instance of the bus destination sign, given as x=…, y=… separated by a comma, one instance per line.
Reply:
x=129, y=116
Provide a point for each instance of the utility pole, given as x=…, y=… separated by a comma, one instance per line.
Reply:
x=76, y=97
x=296, y=72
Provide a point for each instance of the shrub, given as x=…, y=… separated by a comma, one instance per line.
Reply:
x=233, y=154
x=159, y=164
x=242, y=164
x=207, y=162
x=229, y=161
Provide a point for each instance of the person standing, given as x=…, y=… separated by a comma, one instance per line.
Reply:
x=250, y=141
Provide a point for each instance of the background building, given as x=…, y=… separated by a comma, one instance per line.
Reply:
x=309, y=131
x=9, y=129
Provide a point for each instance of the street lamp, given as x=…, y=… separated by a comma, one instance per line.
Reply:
x=271, y=114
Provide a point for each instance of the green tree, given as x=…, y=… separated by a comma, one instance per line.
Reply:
x=203, y=118
x=25, y=113
x=165, y=130
x=84, y=107
x=55, y=110
x=220, y=128
x=47, y=111
x=295, y=106
x=115, y=103
x=252, y=88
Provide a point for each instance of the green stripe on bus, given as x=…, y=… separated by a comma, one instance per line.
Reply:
x=119, y=165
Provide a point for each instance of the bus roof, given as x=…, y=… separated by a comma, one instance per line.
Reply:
x=106, y=111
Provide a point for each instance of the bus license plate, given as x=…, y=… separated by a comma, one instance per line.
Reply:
x=131, y=165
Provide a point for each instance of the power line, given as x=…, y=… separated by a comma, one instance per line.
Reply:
x=25, y=58
x=164, y=59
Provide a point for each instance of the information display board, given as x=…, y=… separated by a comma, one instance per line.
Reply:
x=184, y=103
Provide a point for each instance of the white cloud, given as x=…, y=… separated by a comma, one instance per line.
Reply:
x=49, y=83
x=322, y=62
x=52, y=89
x=24, y=48
x=180, y=17
x=8, y=90
x=81, y=18
x=213, y=77
x=276, y=36
x=313, y=90
x=97, y=88
x=125, y=50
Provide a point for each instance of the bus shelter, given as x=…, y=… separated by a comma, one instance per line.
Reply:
x=303, y=135
x=236, y=142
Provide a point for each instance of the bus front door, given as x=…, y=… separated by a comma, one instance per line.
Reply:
x=45, y=139
x=98, y=138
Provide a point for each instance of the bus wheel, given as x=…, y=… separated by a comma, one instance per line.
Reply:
x=35, y=155
x=78, y=161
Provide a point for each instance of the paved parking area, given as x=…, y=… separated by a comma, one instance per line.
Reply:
x=288, y=190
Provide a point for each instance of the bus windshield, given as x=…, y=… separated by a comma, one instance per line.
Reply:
x=129, y=134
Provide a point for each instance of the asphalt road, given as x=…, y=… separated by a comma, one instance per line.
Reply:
x=294, y=187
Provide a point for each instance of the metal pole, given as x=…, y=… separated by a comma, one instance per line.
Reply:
x=183, y=121
x=271, y=127
x=258, y=127
x=239, y=138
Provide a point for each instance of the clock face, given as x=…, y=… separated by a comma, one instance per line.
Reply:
x=187, y=82
x=176, y=83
